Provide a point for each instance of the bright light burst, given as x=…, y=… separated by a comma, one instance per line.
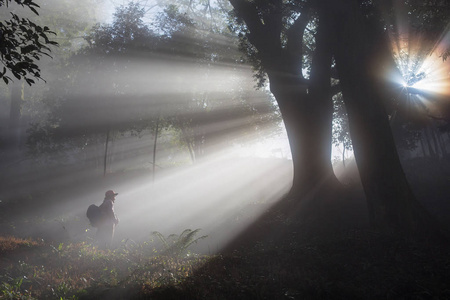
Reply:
x=425, y=76
x=429, y=74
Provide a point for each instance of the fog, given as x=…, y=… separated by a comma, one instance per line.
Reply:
x=220, y=196
x=174, y=125
x=219, y=160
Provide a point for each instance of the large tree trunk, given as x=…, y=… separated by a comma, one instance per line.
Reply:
x=308, y=128
x=391, y=202
x=305, y=105
x=307, y=114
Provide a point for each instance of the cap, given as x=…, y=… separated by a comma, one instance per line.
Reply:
x=110, y=194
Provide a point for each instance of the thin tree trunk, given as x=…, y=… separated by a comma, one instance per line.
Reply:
x=435, y=143
x=154, y=148
x=185, y=137
x=430, y=147
x=343, y=155
x=422, y=146
x=199, y=142
x=111, y=151
x=439, y=140
x=105, y=156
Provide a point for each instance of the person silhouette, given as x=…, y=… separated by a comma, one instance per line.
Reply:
x=105, y=232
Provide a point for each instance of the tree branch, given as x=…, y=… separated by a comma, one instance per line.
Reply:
x=295, y=33
x=247, y=11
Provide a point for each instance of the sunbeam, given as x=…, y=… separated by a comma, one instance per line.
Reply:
x=215, y=160
x=214, y=196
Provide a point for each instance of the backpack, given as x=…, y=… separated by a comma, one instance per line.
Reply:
x=94, y=214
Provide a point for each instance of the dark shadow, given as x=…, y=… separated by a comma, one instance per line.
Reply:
x=324, y=249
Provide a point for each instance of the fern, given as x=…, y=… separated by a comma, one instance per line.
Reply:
x=162, y=239
x=177, y=245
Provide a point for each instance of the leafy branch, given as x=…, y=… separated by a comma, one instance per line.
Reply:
x=22, y=43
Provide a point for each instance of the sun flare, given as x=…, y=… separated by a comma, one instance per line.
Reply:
x=424, y=78
x=424, y=74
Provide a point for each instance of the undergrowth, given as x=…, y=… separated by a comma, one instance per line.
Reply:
x=37, y=270
x=353, y=265
x=176, y=245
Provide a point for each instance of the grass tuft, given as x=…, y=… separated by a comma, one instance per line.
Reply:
x=11, y=243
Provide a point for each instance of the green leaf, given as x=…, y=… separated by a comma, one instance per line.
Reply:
x=33, y=4
x=29, y=81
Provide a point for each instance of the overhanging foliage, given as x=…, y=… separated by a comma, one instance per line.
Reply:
x=22, y=43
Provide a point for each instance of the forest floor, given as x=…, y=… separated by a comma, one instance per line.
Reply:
x=357, y=264
x=277, y=258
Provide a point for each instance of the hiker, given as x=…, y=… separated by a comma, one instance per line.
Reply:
x=105, y=232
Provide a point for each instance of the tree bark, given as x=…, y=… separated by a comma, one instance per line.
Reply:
x=308, y=127
x=305, y=105
x=307, y=112
x=390, y=200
